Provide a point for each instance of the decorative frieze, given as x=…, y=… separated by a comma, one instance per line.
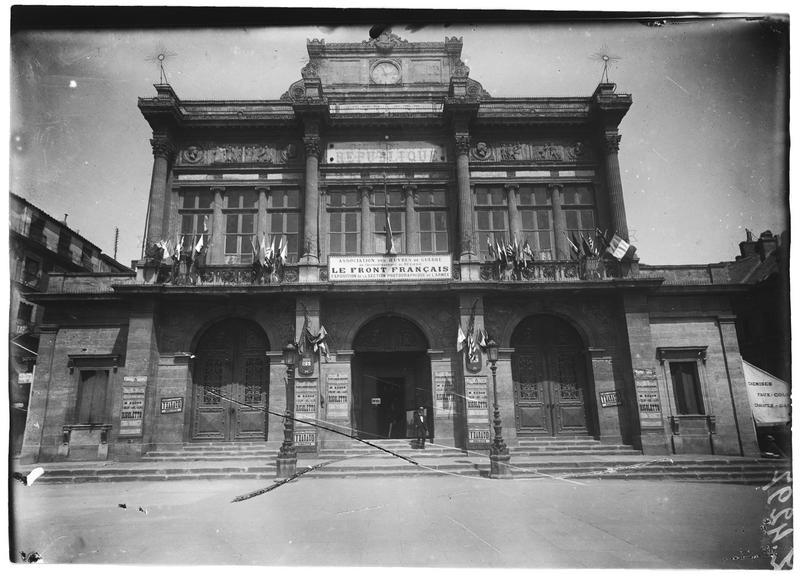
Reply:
x=520, y=151
x=261, y=154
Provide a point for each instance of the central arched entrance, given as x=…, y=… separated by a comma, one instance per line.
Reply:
x=550, y=379
x=231, y=364
x=391, y=377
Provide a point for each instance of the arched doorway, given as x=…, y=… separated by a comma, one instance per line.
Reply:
x=231, y=362
x=391, y=377
x=550, y=380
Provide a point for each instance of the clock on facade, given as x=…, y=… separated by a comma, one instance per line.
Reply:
x=385, y=73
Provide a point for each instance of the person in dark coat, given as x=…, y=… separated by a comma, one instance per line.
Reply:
x=420, y=426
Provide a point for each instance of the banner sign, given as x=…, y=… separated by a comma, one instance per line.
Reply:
x=770, y=398
x=132, y=412
x=338, y=394
x=647, y=397
x=174, y=405
x=385, y=152
x=390, y=267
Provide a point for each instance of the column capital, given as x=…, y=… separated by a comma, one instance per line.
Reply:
x=312, y=144
x=409, y=188
x=364, y=190
x=264, y=188
x=555, y=187
x=217, y=189
x=511, y=187
x=611, y=142
x=462, y=143
x=162, y=146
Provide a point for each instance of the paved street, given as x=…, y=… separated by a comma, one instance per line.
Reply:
x=413, y=521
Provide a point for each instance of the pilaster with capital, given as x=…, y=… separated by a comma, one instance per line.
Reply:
x=467, y=231
x=514, y=218
x=262, y=227
x=614, y=182
x=366, y=231
x=412, y=223
x=216, y=249
x=559, y=222
x=163, y=153
x=311, y=141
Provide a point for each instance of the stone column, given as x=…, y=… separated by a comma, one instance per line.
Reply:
x=609, y=418
x=39, y=397
x=217, y=239
x=311, y=200
x=614, y=183
x=740, y=403
x=444, y=396
x=514, y=218
x=262, y=223
x=467, y=231
x=324, y=224
x=366, y=231
x=163, y=151
x=412, y=223
x=561, y=246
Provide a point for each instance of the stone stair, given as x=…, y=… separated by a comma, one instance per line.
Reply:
x=215, y=451
x=578, y=445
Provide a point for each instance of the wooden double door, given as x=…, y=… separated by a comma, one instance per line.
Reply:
x=231, y=383
x=550, y=383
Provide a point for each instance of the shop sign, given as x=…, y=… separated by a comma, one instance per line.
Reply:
x=385, y=152
x=610, y=399
x=647, y=397
x=171, y=405
x=389, y=267
x=338, y=394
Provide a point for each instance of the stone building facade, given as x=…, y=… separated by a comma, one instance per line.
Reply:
x=385, y=128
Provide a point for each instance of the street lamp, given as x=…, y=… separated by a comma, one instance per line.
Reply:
x=498, y=453
x=287, y=456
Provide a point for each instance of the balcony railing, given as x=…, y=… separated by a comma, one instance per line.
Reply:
x=211, y=275
x=587, y=269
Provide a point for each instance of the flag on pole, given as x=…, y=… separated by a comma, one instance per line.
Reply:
x=387, y=228
x=501, y=252
x=526, y=249
x=492, y=254
x=600, y=235
x=199, y=245
x=205, y=224
x=302, y=340
x=320, y=342
x=620, y=249
x=460, y=339
x=271, y=253
x=575, y=251
x=283, y=248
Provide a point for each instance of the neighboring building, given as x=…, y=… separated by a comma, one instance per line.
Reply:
x=40, y=245
x=626, y=353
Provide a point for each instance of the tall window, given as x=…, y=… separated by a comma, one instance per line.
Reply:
x=32, y=272
x=578, y=206
x=284, y=216
x=535, y=210
x=195, y=208
x=394, y=200
x=240, y=220
x=491, y=215
x=686, y=386
x=432, y=214
x=91, y=407
x=344, y=215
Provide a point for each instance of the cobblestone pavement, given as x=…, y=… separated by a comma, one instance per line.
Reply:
x=426, y=521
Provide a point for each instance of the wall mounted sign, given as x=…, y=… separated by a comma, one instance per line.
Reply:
x=385, y=152
x=647, y=397
x=306, y=366
x=171, y=405
x=24, y=378
x=610, y=399
x=375, y=400
x=137, y=379
x=479, y=436
x=390, y=267
x=305, y=399
x=132, y=413
x=338, y=404
x=305, y=438
x=770, y=398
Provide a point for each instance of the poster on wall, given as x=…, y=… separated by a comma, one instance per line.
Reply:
x=132, y=412
x=477, y=399
x=338, y=404
x=443, y=390
x=305, y=408
x=647, y=397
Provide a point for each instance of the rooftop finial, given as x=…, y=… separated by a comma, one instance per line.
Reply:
x=160, y=58
x=604, y=56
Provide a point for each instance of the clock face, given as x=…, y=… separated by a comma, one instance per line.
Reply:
x=385, y=73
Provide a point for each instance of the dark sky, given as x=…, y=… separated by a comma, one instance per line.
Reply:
x=703, y=146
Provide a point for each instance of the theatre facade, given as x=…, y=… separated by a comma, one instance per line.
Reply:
x=385, y=129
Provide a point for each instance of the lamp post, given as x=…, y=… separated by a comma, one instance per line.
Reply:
x=498, y=453
x=287, y=456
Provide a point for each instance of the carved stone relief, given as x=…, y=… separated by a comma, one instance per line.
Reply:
x=519, y=151
x=263, y=154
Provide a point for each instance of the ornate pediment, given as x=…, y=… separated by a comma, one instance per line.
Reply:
x=386, y=42
x=545, y=152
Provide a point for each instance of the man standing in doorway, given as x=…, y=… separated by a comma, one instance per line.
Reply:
x=420, y=426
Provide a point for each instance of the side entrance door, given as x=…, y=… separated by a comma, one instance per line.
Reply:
x=231, y=381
